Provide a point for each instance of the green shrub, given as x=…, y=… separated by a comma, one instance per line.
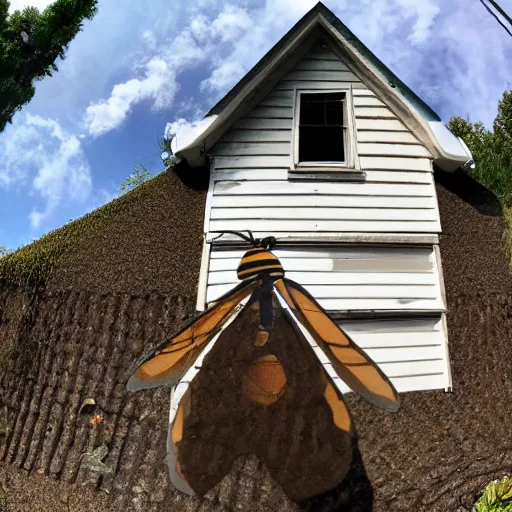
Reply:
x=496, y=497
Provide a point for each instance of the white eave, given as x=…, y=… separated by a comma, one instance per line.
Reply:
x=449, y=151
x=454, y=153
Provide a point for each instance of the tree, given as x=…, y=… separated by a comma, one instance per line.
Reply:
x=492, y=150
x=165, y=145
x=4, y=251
x=30, y=43
x=139, y=175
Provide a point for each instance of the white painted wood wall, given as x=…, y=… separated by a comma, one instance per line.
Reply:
x=348, y=278
x=250, y=189
x=251, y=162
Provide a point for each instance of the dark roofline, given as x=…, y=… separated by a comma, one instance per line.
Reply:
x=427, y=112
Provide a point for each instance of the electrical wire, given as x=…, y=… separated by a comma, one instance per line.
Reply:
x=501, y=10
x=496, y=17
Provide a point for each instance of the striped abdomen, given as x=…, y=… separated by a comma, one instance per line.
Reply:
x=259, y=260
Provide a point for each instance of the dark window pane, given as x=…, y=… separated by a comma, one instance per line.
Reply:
x=320, y=128
x=312, y=113
x=334, y=113
x=321, y=144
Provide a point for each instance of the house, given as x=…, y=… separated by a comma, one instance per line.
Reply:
x=119, y=280
x=322, y=146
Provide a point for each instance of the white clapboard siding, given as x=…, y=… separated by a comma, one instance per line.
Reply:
x=414, y=150
x=268, y=161
x=320, y=53
x=363, y=92
x=259, y=148
x=373, y=176
x=393, y=202
x=367, y=101
x=252, y=187
x=283, y=100
x=321, y=65
x=307, y=213
x=322, y=76
x=290, y=85
x=412, y=352
x=357, y=291
x=307, y=277
x=263, y=124
x=342, y=264
x=407, y=164
x=252, y=148
x=349, y=278
x=273, y=161
x=271, y=112
x=348, y=252
x=260, y=136
x=374, y=112
x=321, y=188
x=391, y=125
x=383, y=137
x=324, y=226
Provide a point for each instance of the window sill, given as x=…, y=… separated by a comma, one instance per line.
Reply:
x=331, y=173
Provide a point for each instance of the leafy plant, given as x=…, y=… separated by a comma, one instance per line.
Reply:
x=167, y=155
x=496, y=497
x=30, y=43
x=4, y=251
x=492, y=150
x=139, y=175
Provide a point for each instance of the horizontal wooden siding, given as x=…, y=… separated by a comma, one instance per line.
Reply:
x=348, y=278
x=251, y=186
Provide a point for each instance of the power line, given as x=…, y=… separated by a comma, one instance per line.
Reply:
x=495, y=16
x=500, y=10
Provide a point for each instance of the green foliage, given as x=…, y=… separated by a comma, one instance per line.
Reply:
x=139, y=175
x=492, y=150
x=30, y=43
x=4, y=251
x=496, y=497
x=165, y=144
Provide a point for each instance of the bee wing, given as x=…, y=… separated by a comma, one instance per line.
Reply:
x=179, y=410
x=172, y=359
x=352, y=365
x=340, y=414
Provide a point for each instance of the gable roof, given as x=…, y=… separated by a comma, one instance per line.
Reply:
x=448, y=151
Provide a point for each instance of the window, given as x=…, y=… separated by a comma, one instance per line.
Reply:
x=324, y=137
x=322, y=128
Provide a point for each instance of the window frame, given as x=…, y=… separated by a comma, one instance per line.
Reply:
x=351, y=167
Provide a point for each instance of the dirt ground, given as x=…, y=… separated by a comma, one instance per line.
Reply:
x=80, y=338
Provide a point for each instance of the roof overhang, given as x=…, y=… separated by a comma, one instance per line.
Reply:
x=448, y=151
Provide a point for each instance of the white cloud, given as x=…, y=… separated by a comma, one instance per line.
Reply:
x=158, y=84
x=230, y=23
x=186, y=131
x=222, y=77
x=37, y=153
x=452, y=54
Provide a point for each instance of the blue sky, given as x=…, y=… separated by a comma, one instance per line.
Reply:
x=151, y=66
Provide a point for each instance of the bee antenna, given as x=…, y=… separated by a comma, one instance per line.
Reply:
x=250, y=239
